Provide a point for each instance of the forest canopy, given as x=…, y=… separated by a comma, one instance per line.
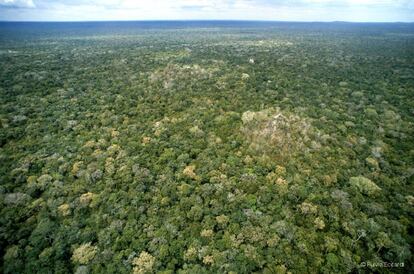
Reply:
x=262, y=148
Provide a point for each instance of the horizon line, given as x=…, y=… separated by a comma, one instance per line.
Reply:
x=205, y=20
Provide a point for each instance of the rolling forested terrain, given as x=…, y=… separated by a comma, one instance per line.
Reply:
x=206, y=147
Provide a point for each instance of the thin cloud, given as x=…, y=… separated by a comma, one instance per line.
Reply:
x=291, y=10
x=17, y=3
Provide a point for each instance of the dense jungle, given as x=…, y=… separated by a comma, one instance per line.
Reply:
x=206, y=147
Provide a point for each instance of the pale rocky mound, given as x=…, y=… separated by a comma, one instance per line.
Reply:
x=276, y=133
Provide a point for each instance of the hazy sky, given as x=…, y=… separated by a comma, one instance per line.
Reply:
x=291, y=10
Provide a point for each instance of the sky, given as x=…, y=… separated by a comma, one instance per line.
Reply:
x=275, y=10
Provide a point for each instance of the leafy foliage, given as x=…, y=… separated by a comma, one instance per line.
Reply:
x=260, y=147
